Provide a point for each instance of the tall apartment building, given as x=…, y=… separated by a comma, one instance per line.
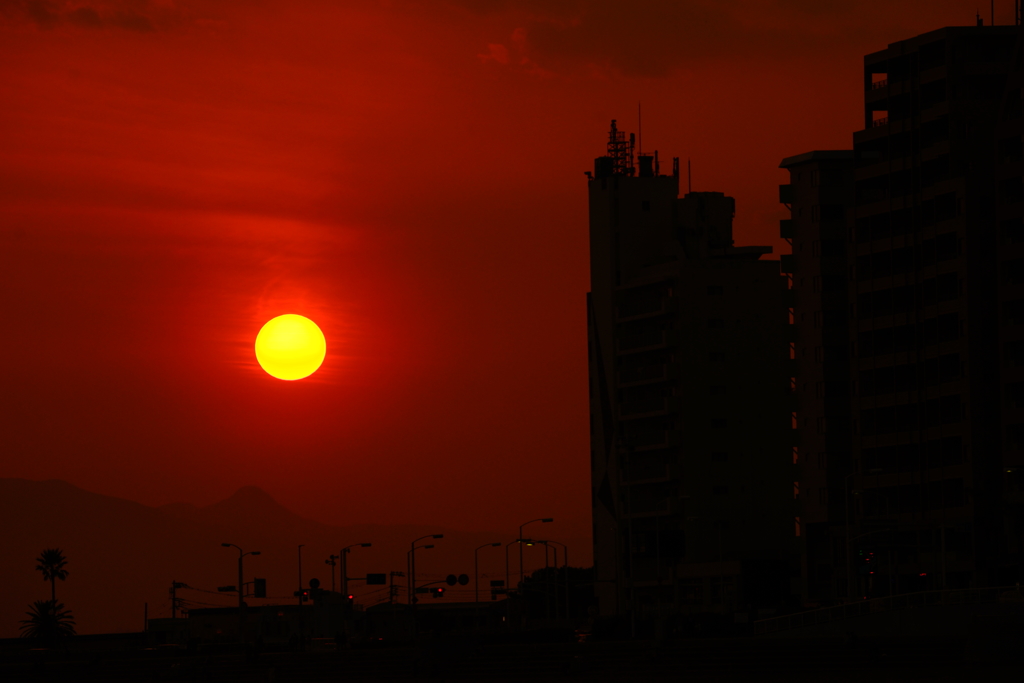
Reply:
x=691, y=435
x=904, y=249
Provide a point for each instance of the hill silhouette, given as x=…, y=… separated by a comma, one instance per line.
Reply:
x=123, y=554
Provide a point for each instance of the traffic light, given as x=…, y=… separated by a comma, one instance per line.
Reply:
x=437, y=592
x=302, y=595
x=259, y=588
x=349, y=599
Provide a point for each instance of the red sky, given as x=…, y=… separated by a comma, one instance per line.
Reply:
x=407, y=174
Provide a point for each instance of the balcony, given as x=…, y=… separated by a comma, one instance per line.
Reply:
x=651, y=472
x=641, y=341
x=786, y=230
x=645, y=408
x=654, y=507
x=878, y=85
x=644, y=374
x=651, y=440
x=879, y=122
x=642, y=308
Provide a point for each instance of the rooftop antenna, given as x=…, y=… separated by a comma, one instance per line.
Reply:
x=689, y=177
x=992, y=12
x=978, y=19
x=640, y=128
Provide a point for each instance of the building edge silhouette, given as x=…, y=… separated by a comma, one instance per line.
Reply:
x=691, y=425
x=908, y=261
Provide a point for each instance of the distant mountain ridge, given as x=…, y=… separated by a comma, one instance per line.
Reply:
x=123, y=555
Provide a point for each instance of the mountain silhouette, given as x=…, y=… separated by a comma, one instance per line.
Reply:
x=123, y=555
x=249, y=506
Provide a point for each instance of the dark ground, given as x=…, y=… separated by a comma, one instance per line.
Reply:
x=793, y=661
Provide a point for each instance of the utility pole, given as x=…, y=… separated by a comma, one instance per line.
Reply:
x=240, y=587
x=393, y=589
x=175, y=585
x=332, y=560
x=302, y=644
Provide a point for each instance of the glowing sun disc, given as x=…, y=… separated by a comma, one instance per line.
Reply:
x=290, y=347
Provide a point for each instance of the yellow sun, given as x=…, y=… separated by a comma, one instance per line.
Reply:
x=290, y=347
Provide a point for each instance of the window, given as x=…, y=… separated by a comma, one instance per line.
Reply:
x=823, y=496
x=822, y=460
x=720, y=490
x=722, y=524
x=719, y=456
x=715, y=290
x=716, y=357
x=719, y=423
x=827, y=212
x=716, y=390
x=716, y=323
x=645, y=205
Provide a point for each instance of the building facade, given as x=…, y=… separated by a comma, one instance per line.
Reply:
x=903, y=269
x=690, y=373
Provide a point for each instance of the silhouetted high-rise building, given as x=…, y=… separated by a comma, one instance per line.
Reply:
x=907, y=278
x=691, y=435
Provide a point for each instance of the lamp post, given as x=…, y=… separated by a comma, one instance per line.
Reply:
x=565, y=560
x=544, y=520
x=412, y=565
x=332, y=560
x=547, y=592
x=849, y=522
x=476, y=566
x=302, y=642
x=410, y=588
x=344, y=565
x=508, y=580
x=241, y=586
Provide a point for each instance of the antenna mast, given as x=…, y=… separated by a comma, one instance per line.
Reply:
x=640, y=128
x=621, y=151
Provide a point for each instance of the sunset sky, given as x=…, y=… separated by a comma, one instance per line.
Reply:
x=407, y=174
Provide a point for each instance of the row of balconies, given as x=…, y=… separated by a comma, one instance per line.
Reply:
x=643, y=308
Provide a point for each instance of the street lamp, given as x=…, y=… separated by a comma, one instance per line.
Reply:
x=476, y=566
x=544, y=520
x=412, y=565
x=332, y=560
x=344, y=565
x=408, y=571
x=849, y=560
x=565, y=559
x=508, y=580
x=241, y=585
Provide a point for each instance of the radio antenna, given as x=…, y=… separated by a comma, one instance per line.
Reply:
x=640, y=128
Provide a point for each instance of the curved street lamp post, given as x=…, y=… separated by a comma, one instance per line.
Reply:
x=543, y=520
x=412, y=564
x=476, y=566
x=344, y=565
x=241, y=586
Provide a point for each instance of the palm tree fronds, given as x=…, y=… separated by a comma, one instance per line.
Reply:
x=48, y=621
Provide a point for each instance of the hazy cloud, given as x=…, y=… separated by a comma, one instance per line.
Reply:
x=132, y=15
x=654, y=38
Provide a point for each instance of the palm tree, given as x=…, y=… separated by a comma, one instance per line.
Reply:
x=51, y=564
x=48, y=621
